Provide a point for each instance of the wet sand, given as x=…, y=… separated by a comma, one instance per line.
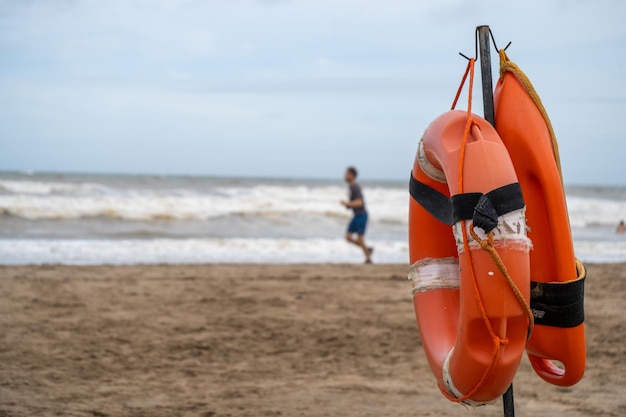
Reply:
x=258, y=340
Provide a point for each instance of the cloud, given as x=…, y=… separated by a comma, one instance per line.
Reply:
x=340, y=74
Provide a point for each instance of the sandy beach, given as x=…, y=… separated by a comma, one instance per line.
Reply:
x=258, y=340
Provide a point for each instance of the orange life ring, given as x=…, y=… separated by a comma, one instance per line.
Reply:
x=557, y=277
x=470, y=312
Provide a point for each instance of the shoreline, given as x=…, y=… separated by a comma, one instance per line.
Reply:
x=257, y=340
x=392, y=265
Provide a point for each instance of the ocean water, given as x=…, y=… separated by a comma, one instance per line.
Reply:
x=116, y=219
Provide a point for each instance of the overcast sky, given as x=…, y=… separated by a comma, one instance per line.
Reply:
x=287, y=88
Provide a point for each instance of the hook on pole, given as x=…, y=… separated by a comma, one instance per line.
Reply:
x=476, y=40
x=493, y=39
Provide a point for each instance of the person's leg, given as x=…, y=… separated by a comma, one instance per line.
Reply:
x=351, y=239
x=353, y=228
x=357, y=227
x=360, y=241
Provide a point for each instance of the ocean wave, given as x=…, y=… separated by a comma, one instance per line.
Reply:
x=153, y=208
x=233, y=250
x=596, y=252
x=592, y=212
x=36, y=201
x=154, y=199
x=51, y=188
x=181, y=251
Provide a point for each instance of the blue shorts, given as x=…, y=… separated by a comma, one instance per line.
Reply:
x=357, y=224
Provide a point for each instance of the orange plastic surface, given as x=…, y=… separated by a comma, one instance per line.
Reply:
x=451, y=318
x=527, y=138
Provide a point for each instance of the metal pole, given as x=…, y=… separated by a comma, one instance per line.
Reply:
x=484, y=37
x=507, y=402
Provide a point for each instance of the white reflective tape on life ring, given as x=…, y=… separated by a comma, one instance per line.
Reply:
x=431, y=274
x=452, y=389
x=427, y=167
x=511, y=231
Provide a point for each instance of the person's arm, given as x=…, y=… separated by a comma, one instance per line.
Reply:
x=353, y=204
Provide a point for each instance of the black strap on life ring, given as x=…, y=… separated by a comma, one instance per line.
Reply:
x=558, y=304
x=483, y=209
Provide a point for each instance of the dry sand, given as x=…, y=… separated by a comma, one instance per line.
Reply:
x=264, y=340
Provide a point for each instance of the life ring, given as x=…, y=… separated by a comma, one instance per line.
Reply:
x=557, y=277
x=466, y=205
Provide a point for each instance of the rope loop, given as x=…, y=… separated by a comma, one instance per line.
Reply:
x=488, y=246
x=468, y=69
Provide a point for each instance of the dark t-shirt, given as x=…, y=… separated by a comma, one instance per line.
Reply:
x=356, y=194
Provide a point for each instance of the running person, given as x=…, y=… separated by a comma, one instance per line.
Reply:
x=359, y=221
